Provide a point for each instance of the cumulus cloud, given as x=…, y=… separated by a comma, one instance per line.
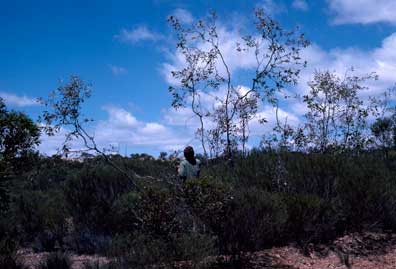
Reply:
x=300, y=4
x=381, y=60
x=152, y=128
x=137, y=34
x=363, y=11
x=122, y=129
x=269, y=113
x=177, y=127
x=272, y=7
x=118, y=70
x=183, y=15
x=120, y=118
x=51, y=145
x=183, y=117
x=12, y=99
x=236, y=60
x=289, y=114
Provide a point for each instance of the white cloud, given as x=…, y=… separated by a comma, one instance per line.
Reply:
x=363, y=11
x=183, y=117
x=183, y=15
x=272, y=7
x=118, y=70
x=12, y=99
x=300, y=4
x=152, y=128
x=177, y=128
x=138, y=34
x=121, y=118
x=236, y=60
x=167, y=68
x=381, y=60
x=51, y=145
x=123, y=130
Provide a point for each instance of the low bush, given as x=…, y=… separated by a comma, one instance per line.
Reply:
x=40, y=218
x=86, y=242
x=310, y=219
x=159, y=211
x=56, y=260
x=366, y=191
x=255, y=220
x=261, y=200
x=11, y=262
x=8, y=237
x=8, y=246
x=194, y=247
x=125, y=217
x=110, y=265
x=207, y=198
x=139, y=250
x=154, y=210
x=142, y=250
x=90, y=195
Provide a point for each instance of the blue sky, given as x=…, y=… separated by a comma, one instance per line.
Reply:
x=123, y=48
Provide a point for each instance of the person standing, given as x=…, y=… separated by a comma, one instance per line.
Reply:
x=190, y=167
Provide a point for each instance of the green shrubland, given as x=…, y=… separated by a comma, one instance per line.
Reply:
x=229, y=210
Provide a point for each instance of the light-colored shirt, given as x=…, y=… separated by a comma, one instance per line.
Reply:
x=188, y=170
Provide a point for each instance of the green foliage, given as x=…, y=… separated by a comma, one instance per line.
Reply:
x=366, y=190
x=18, y=137
x=310, y=218
x=4, y=196
x=255, y=219
x=18, y=133
x=8, y=236
x=8, y=246
x=41, y=218
x=146, y=250
x=90, y=195
x=110, y=265
x=207, y=199
x=87, y=242
x=51, y=173
x=10, y=262
x=248, y=171
x=155, y=230
x=124, y=215
x=384, y=131
x=158, y=208
x=194, y=247
x=139, y=249
x=154, y=210
x=56, y=260
x=264, y=199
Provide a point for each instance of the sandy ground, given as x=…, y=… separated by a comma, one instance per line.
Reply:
x=357, y=251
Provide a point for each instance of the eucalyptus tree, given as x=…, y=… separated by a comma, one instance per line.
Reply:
x=19, y=136
x=207, y=71
x=64, y=111
x=247, y=108
x=384, y=130
x=384, y=127
x=337, y=115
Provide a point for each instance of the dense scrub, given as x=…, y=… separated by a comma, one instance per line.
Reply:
x=262, y=200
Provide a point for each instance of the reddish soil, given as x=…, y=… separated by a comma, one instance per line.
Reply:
x=357, y=251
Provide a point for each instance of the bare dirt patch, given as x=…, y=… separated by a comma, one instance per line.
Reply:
x=358, y=251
